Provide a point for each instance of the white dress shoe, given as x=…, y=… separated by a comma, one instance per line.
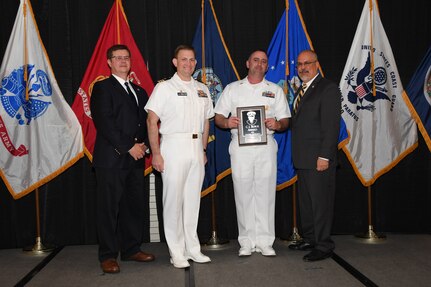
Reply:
x=266, y=251
x=180, y=262
x=199, y=258
x=245, y=251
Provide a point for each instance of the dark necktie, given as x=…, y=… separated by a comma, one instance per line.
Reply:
x=299, y=97
x=129, y=91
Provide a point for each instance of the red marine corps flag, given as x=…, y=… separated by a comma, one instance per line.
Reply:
x=115, y=31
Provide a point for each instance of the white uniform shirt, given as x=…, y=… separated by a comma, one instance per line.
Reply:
x=243, y=94
x=181, y=106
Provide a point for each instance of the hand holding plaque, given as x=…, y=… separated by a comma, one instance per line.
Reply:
x=252, y=130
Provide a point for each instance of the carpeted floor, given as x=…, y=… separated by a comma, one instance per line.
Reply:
x=400, y=260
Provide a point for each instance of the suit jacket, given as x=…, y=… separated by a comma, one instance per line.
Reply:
x=120, y=123
x=316, y=125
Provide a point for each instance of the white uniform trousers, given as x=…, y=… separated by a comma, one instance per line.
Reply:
x=254, y=174
x=182, y=183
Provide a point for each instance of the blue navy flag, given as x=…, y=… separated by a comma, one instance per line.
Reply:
x=419, y=94
x=216, y=69
x=281, y=63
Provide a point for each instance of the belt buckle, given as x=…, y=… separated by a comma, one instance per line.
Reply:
x=194, y=136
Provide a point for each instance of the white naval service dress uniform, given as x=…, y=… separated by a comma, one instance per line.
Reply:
x=182, y=108
x=254, y=167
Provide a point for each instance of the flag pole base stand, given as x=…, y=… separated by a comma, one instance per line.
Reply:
x=215, y=243
x=371, y=236
x=38, y=248
x=294, y=237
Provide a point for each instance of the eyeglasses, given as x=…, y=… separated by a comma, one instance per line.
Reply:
x=120, y=58
x=305, y=64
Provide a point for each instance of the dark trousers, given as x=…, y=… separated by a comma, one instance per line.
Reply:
x=316, y=192
x=120, y=195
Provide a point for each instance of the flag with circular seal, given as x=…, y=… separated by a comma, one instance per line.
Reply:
x=39, y=133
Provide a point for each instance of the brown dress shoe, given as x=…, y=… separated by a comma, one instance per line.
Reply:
x=141, y=257
x=110, y=266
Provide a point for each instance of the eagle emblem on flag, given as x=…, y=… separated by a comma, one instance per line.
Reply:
x=13, y=95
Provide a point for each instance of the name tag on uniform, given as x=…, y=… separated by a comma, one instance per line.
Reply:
x=202, y=94
x=182, y=94
x=268, y=94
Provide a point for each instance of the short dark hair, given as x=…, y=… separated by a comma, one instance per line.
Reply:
x=114, y=48
x=257, y=50
x=183, y=47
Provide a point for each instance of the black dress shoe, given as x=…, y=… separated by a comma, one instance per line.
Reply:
x=317, y=255
x=303, y=246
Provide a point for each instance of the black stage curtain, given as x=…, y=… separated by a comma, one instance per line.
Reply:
x=70, y=29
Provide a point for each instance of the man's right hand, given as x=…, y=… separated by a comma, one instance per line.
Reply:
x=158, y=162
x=137, y=151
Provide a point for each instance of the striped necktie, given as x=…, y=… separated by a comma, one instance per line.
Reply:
x=299, y=97
x=129, y=91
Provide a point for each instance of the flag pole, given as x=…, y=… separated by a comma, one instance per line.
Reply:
x=295, y=236
x=38, y=248
x=370, y=236
x=214, y=242
x=372, y=47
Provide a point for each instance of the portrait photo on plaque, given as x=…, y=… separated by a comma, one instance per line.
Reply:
x=252, y=130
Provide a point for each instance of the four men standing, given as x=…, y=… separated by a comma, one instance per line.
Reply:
x=183, y=107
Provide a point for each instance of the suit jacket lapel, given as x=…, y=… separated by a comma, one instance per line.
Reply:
x=122, y=91
x=309, y=91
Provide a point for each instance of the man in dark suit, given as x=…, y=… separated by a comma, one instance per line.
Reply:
x=117, y=108
x=315, y=129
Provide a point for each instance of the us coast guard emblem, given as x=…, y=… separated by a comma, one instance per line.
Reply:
x=361, y=84
x=12, y=94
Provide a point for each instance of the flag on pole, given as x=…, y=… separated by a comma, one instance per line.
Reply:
x=215, y=68
x=40, y=135
x=418, y=95
x=115, y=31
x=283, y=50
x=382, y=130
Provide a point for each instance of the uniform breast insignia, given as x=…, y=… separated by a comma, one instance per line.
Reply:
x=268, y=94
x=202, y=94
x=182, y=94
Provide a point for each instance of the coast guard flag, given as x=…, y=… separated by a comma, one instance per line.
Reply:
x=419, y=95
x=214, y=68
x=382, y=130
x=40, y=135
x=282, y=71
x=115, y=31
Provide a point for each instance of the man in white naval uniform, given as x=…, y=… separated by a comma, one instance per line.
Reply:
x=254, y=167
x=183, y=106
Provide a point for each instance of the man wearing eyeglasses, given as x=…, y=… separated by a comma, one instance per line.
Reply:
x=117, y=108
x=315, y=128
